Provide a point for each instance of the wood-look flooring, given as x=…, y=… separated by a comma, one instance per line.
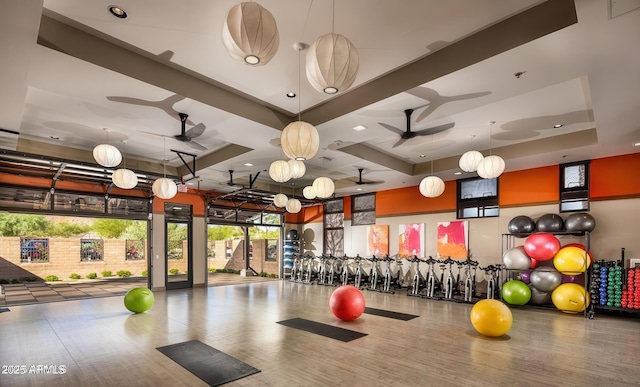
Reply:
x=100, y=343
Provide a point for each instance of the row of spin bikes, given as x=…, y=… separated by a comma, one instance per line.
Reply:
x=385, y=274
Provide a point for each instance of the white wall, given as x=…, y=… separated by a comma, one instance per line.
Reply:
x=617, y=226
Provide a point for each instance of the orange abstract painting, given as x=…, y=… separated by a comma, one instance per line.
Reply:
x=411, y=240
x=378, y=240
x=453, y=239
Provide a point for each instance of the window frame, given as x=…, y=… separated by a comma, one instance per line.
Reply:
x=326, y=229
x=355, y=211
x=574, y=194
x=482, y=204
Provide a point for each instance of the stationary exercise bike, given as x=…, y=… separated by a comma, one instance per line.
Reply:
x=492, y=282
x=449, y=281
x=389, y=277
x=418, y=278
x=470, y=279
x=432, y=278
x=360, y=276
x=375, y=274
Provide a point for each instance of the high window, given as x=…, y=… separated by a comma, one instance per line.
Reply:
x=477, y=198
x=574, y=186
x=334, y=227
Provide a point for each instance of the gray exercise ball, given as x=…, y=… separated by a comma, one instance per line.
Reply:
x=579, y=222
x=516, y=259
x=550, y=223
x=538, y=297
x=545, y=278
x=521, y=225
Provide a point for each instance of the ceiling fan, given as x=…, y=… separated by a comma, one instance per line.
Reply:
x=408, y=134
x=362, y=182
x=187, y=136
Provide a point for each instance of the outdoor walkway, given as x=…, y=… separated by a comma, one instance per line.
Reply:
x=39, y=292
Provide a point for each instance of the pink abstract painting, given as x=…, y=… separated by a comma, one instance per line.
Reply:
x=453, y=239
x=411, y=240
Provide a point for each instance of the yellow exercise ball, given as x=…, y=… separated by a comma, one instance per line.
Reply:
x=491, y=318
x=571, y=260
x=570, y=298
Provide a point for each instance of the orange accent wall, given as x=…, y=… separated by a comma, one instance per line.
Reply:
x=409, y=201
x=537, y=185
x=347, y=206
x=183, y=198
x=615, y=176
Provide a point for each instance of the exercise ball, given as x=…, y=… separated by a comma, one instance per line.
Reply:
x=292, y=234
x=515, y=258
x=347, y=303
x=545, y=278
x=572, y=278
x=583, y=247
x=516, y=292
x=139, y=300
x=521, y=225
x=571, y=260
x=525, y=276
x=579, y=222
x=539, y=297
x=550, y=223
x=570, y=298
x=491, y=318
x=541, y=246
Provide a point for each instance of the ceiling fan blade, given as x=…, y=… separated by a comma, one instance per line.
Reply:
x=399, y=142
x=195, y=145
x=392, y=128
x=435, y=129
x=196, y=130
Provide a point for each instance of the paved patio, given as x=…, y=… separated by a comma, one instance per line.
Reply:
x=40, y=292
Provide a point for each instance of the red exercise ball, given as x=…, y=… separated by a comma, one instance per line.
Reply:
x=541, y=246
x=347, y=303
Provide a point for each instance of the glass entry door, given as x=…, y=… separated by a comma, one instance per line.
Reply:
x=178, y=257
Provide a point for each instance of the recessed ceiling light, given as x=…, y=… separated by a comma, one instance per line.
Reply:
x=117, y=12
x=358, y=189
x=636, y=144
x=558, y=126
x=291, y=94
x=54, y=137
x=359, y=128
x=423, y=156
x=457, y=173
x=248, y=165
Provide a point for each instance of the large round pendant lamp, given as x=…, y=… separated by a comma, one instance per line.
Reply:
x=469, y=161
x=309, y=193
x=491, y=167
x=431, y=186
x=124, y=178
x=293, y=206
x=279, y=171
x=299, y=140
x=323, y=187
x=250, y=34
x=280, y=200
x=164, y=188
x=332, y=63
x=107, y=155
x=297, y=168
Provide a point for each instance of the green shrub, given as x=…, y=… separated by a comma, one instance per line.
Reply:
x=30, y=279
x=212, y=270
x=106, y=273
x=174, y=271
x=145, y=273
x=3, y=281
x=15, y=281
x=51, y=278
x=263, y=274
x=273, y=276
x=92, y=276
x=123, y=273
x=75, y=276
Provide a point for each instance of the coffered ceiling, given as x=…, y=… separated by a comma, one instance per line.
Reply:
x=72, y=70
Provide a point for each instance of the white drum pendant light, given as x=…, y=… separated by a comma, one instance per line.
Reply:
x=300, y=140
x=309, y=193
x=323, y=187
x=279, y=171
x=491, y=167
x=470, y=160
x=107, y=155
x=250, y=34
x=431, y=186
x=297, y=168
x=332, y=63
x=280, y=200
x=164, y=188
x=293, y=206
x=125, y=178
